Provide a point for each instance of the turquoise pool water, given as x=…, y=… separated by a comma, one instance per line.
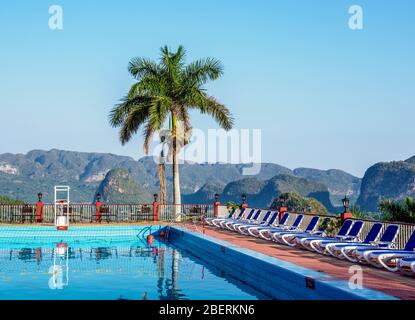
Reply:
x=107, y=263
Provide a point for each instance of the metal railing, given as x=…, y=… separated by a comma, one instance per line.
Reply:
x=118, y=213
x=168, y=212
x=405, y=230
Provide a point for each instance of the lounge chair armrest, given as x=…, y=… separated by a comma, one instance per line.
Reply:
x=381, y=244
x=346, y=238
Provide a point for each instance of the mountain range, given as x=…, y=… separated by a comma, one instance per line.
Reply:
x=22, y=176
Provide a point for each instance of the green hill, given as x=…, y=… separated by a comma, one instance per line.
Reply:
x=119, y=187
x=261, y=193
x=338, y=182
x=297, y=203
x=387, y=180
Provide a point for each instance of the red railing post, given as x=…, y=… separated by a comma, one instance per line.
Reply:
x=281, y=212
x=216, y=206
x=345, y=215
x=155, y=208
x=155, y=211
x=216, y=209
x=39, y=208
x=98, y=206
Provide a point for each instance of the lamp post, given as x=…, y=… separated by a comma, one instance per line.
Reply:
x=216, y=205
x=346, y=204
x=98, y=205
x=346, y=213
x=39, y=208
x=244, y=204
x=155, y=207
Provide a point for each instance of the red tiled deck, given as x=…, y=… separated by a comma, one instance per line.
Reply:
x=392, y=284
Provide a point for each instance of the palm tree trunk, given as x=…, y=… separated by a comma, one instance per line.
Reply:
x=162, y=178
x=176, y=175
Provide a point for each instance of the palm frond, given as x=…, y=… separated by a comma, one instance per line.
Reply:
x=208, y=105
x=133, y=121
x=120, y=112
x=142, y=67
x=203, y=70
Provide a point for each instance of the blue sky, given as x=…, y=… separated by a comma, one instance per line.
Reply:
x=324, y=96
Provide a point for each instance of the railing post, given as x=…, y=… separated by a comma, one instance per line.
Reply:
x=98, y=206
x=39, y=208
x=345, y=215
x=216, y=206
x=155, y=208
x=281, y=212
x=216, y=210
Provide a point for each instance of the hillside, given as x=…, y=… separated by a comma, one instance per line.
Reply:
x=387, y=180
x=7, y=200
x=338, y=182
x=119, y=187
x=261, y=193
x=296, y=203
x=23, y=176
x=206, y=194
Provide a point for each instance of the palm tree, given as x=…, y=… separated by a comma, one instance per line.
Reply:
x=167, y=89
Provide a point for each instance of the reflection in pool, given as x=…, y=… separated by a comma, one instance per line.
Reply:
x=108, y=270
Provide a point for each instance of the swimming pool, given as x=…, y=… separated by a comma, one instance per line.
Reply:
x=108, y=263
x=114, y=262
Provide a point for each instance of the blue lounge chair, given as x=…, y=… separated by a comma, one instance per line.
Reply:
x=244, y=227
x=217, y=222
x=373, y=234
x=387, y=258
x=254, y=231
x=407, y=266
x=304, y=241
x=279, y=235
x=266, y=233
x=251, y=218
x=227, y=224
x=346, y=251
x=288, y=238
x=352, y=236
x=209, y=221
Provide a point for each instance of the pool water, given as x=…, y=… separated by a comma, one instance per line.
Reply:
x=109, y=264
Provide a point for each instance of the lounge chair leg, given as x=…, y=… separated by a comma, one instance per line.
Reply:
x=383, y=260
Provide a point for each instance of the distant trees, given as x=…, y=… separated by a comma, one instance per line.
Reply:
x=398, y=210
x=297, y=203
x=7, y=200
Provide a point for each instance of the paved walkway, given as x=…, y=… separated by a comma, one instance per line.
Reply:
x=390, y=283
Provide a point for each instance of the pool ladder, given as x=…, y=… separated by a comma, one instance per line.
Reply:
x=142, y=233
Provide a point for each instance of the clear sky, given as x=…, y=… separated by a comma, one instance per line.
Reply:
x=324, y=96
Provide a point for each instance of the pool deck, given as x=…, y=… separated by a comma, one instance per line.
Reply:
x=396, y=285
